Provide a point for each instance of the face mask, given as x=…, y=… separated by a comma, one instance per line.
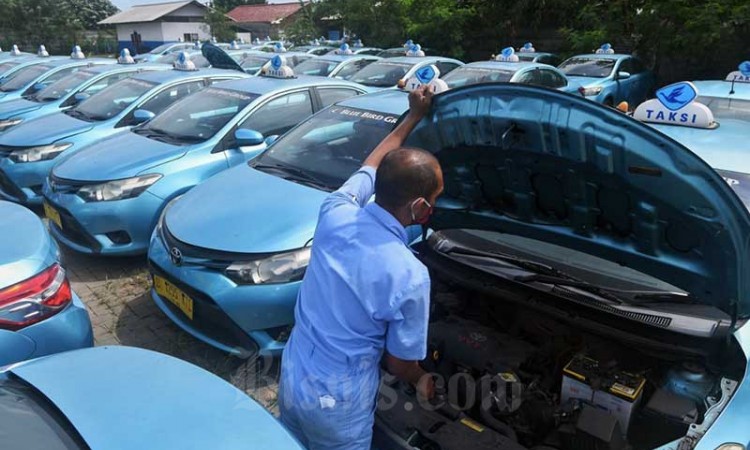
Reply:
x=426, y=217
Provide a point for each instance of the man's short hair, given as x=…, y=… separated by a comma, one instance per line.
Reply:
x=405, y=175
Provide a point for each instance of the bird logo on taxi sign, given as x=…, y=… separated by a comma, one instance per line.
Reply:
x=425, y=74
x=507, y=52
x=276, y=62
x=676, y=96
x=745, y=68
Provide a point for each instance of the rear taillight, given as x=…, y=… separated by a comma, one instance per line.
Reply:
x=34, y=299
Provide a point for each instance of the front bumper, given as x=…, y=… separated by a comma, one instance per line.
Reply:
x=238, y=319
x=22, y=182
x=70, y=329
x=120, y=227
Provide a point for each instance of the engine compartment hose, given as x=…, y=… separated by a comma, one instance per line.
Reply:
x=489, y=419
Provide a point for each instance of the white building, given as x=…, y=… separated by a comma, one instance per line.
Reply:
x=144, y=27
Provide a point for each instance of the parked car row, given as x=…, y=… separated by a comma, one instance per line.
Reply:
x=569, y=232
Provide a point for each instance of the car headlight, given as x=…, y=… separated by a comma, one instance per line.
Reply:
x=279, y=268
x=118, y=189
x=41, y=153
x=588, y=92
x=7, y=123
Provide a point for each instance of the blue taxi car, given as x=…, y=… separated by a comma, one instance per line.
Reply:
x=235, y=287
x=335, y=66
x=122, y=398
x=31, y=79
x=39, y=312
x=164, y=49
x=109, y=195
x=512, y=72
x=609, y=77
x=389, y=72
x=68, y=91
x=528, y=53
x=29, y=150
x=253, y=62
x=14, y=52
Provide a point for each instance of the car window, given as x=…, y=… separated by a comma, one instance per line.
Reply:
x=316, y=67
x=329, y=96
x=381, y=74
x=445, y=67
x=63, y=86
x=353, y=67
x=727, y=108
x=551, y=79
x=111, y=101
x=636, y=66
x=549, y=59
x=529, y=77
x=109, y=80
x=22, y=77
x=626, y=66
x=279, y=115
x=468, y=75
x=29, y=420
x=164, y=99
x=588, y=67
x=254, y=63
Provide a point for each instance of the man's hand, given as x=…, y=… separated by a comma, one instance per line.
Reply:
x=426, y=386
x=420, y=101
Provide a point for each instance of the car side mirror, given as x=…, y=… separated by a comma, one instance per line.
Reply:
x=248, y=138
x=142, y=116
x=623, y=75
x=271, y=139
x=81, y=96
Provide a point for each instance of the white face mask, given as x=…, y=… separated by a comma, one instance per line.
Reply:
x=414, y=217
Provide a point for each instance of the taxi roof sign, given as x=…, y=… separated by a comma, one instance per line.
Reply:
x=408, y=44
x=427, y=75
x=15, y=51
x=605, y=49
x=344, y=50
x=527, y=48
x=675, y=105
x=358, y=43
x=415, y=50
x=77, y=53
x=742, y=75
x=184, y=63
x=508, y=54
x=279, y=48
x=278, y=68
x=42, y=52
x=125, y=57
x=234, y=46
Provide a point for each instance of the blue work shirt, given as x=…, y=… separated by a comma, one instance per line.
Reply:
x=364, y=291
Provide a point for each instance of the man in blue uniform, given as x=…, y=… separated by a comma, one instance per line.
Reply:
x=364, y=294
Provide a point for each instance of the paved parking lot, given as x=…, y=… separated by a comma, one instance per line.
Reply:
x=116, y=291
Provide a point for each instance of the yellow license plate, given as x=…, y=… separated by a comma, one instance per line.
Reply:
x=175, y=295
x=52, y=215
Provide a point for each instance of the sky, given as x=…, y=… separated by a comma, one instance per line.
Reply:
x=125, y=4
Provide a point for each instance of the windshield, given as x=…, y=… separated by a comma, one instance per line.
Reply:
x=63, y=86
x=525, y=57
x=588, y=67
x=4, y=67
x=381, y=74
x=254, y=63
x=29, y=420
x=197, y=117
x=316, y=67
x=464, y=76
x=331, y=145
x=727, y=108
x=161, y=49
x=111, y=101
x=22, y=77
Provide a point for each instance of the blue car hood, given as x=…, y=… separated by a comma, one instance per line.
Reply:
x=17, y=106
x=587, y=81
x=24, y=244
x=44, y=130
x=243, y=210
x=123, y=155
x=128, y=398
x=557, y=168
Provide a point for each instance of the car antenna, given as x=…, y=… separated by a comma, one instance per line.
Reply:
x=731, y=91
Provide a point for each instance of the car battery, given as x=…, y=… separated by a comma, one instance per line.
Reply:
x=615, y=391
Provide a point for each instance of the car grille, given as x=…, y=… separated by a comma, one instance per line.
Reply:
x=10, y=188
x=208, y=318
x=72, y=230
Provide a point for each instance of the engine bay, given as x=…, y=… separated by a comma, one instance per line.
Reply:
x=508, y=377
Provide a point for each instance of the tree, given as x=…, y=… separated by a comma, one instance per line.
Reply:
x=219, y=25
x=228, y=5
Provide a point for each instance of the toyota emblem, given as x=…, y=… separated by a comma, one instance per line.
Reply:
x=175, y=255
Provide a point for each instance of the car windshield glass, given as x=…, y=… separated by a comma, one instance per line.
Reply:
x=727, y=108
x=254, y=63
x=381, y=74
x=331, y=145
x=525, y=57
x=588, y=67
x=161, y=48
x=197, y=117
x=63, y=86
x=22, y=77
x=464, y=76
x=4, y=67
x=111, y=101
x=317, y=67
x=29, y=420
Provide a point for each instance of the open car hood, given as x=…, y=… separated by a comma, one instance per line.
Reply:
x=557, y=168
x=219, y=59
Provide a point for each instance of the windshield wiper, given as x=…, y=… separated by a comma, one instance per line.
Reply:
x=156, y=134
x=294, y=174
x=77, y=114
x=650, y=298
x=532, y=266
x=566, y=282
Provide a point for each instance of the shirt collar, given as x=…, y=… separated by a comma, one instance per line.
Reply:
x=388, y=221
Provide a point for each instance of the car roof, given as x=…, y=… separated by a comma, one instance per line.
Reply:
x=602, y=56
x=102, y=68
x=419, y=59
x=721, y=88
x=71, y=61
x=263, y=84
x=390, y=101
x=342, y=58
x=164, y=76
x=506, y=65
x=535, y=54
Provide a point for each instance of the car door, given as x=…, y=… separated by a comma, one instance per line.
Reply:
x=551, y=79
x=271, y=119
x=161, y=100
x=626, y=88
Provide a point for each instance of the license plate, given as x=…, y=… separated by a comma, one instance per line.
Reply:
x=167, y=290
x=52, y=214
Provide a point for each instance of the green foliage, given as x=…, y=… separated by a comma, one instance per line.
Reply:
x=228, y=5
x=303, y=29
x=219, y=25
